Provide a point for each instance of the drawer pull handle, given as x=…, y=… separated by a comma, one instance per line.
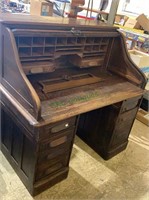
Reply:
x=66, y=125
x=58, y=141
x=60, y=127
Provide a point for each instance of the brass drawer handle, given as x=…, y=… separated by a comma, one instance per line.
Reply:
x=67, y=125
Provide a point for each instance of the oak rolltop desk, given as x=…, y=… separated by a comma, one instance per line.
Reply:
x=61, y=77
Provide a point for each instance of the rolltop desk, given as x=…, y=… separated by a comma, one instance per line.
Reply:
x=61, y=77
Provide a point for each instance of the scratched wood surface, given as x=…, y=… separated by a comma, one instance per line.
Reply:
x=70, y=103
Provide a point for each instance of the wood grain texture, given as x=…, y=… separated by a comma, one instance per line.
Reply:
x=90, y=97
x=68, y=82
x=53, y=21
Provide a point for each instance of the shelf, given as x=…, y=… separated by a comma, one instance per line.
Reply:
x=24, y=41
x=39, y=41
x=37, y=51
x=44, y=46
x=24, y=52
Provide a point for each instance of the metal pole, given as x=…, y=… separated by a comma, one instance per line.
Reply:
x=113, y=11
x=88, y=8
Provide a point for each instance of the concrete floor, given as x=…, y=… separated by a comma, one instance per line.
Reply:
x=124, y=177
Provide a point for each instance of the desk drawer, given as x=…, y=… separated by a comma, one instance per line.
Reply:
x=53, y=130
x=130, y=104
x=125, y=119
x=123, y=126
x=62, y=139
x=54, y=152
x=50, y=166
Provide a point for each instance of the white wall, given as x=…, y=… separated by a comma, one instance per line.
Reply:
x=135, y=7
x=96, y=4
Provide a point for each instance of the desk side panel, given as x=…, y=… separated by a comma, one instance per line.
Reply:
x=13, y=77
x=121, y=64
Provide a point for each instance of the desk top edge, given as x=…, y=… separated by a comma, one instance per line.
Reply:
x=52, y=21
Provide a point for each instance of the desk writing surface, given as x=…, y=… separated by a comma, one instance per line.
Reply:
x=110, y=90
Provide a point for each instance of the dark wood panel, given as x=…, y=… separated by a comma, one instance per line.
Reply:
x=6, y=129
x=123, y=127
x=98, y=125
x=17, y=144
x=28, y=158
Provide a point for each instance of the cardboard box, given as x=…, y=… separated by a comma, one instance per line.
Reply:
x=132, y=23
x=120, y=19
x=143, y=116
x=41, y=8
x=143, y=21
x=139, y=58
x=77, y=2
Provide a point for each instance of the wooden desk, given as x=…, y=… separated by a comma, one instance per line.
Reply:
x=60, y=77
